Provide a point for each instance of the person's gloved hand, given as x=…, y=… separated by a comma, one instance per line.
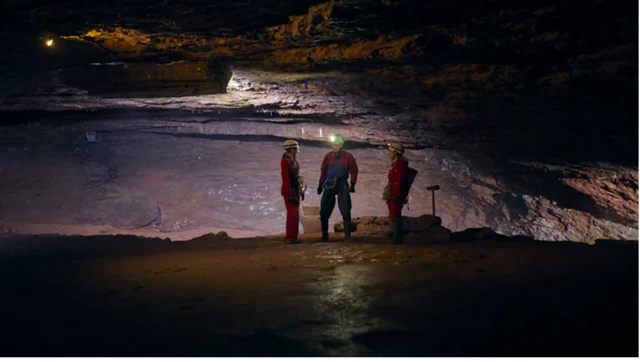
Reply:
x=320, y=188
x=302, y=197
x=352, y=188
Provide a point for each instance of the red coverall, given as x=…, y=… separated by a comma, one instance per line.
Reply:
x=396, y=175
x=290, y=170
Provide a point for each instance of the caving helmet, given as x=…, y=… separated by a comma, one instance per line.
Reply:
x=291, y=144
x=337, y=139
x=396, y=146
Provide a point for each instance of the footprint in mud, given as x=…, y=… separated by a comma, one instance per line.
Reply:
x=179, y=270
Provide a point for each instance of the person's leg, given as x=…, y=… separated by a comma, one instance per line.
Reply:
x=344, y=204
x=327, y=203
x=395, y=216
x=296, y=221
x=292, y=220
x=398, y=231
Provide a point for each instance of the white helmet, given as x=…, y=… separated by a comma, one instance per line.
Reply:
x=291, y=144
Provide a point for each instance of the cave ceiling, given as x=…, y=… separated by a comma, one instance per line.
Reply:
x=429, y=73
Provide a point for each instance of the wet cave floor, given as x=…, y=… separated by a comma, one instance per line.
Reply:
x=211, y=296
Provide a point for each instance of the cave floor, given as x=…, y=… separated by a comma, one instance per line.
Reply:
x=130, y=296
x=53, y=181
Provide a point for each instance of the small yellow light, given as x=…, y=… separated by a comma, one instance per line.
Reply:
x=332, y=138
x=49, y=42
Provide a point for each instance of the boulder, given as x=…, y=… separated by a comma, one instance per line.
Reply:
x=421, y=223
x=474, y=234
x=425, y=227
x=434, y=234
x=367, y=225
x=211, y=237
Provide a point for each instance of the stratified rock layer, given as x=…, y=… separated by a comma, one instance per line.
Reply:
x=149, y=79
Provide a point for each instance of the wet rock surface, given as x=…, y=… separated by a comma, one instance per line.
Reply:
x=215, y=296
x=180, y=162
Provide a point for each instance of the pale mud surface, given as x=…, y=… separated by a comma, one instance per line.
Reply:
x=129, y=296
x=55, y=182
x=178, y=175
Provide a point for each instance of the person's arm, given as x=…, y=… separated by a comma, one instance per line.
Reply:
x=323, y=169
x=286, y=181
x=353, y=169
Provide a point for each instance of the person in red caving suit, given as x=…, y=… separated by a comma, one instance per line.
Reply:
x=290, y=189
x=394, y=193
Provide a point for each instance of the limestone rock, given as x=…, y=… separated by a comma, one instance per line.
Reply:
x=149, y=79
x=381, y=226
x=476, y=234
x=434, y=234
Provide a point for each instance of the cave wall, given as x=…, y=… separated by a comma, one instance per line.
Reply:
x=145, y=79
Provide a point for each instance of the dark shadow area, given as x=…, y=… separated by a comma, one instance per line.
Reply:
x=566, y=316
x=583, y=121
x=118, y=300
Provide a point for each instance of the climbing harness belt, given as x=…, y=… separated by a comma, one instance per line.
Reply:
x=331, y=183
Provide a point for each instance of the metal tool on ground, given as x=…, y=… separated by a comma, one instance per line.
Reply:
x=433, y=190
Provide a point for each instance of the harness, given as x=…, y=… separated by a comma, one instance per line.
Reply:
x=302, y=185
x=331, y=183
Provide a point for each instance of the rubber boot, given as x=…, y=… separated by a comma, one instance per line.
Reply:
x=347, y=229
x=324, y=225
x=389, y=227
x=398, y=231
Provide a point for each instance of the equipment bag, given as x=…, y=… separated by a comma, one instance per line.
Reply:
x=407, y=182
